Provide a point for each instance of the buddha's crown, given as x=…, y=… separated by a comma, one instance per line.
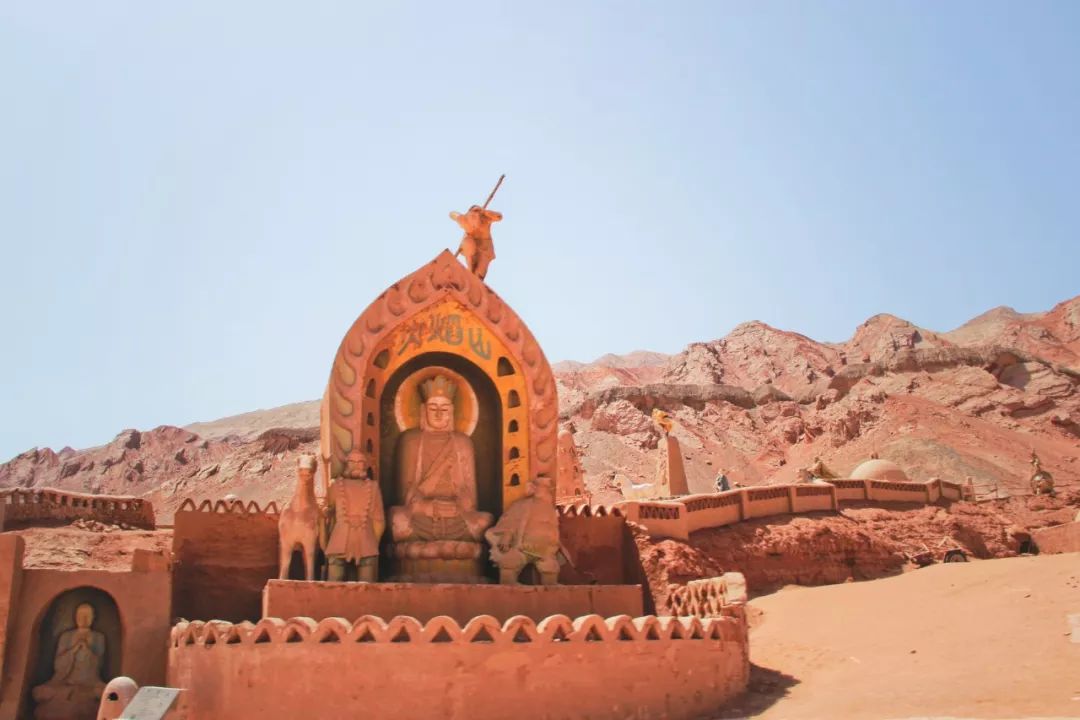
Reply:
x=438, y=386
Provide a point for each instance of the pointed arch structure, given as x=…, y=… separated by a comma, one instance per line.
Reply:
x=442, y=308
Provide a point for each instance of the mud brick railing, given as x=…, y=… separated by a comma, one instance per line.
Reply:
x=27, y=507
x=678, y=517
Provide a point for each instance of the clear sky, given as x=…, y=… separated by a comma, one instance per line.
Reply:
x=197, y=198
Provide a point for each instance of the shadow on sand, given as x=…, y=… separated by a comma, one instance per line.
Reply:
x=765, y=688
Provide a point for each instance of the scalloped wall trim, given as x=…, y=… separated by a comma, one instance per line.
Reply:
x=480, y=629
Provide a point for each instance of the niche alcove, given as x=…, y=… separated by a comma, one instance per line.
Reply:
x=57, y=620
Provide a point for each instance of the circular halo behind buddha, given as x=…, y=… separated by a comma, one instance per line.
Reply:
x=408, y=403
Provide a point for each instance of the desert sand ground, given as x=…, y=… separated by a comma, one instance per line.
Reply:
x=985, y=639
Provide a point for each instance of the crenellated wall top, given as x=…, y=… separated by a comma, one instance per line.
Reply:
x=237, y=507
x=443, y=629
x=68, y=497
x=587, y=510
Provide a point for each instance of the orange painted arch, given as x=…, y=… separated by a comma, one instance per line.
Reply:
x=442, y=307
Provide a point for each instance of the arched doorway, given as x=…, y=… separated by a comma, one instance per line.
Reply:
x=56, y=633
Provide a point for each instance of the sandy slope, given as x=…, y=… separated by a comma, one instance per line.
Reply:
x=986, y=639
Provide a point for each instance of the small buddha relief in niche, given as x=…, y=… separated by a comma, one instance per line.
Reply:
x=74, y=690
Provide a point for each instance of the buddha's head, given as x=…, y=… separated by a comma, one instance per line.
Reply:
x=438, y=397
x=84, y=616
x=356, y=465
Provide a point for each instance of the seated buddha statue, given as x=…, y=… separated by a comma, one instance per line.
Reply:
x=437, y=531
x=74, y=690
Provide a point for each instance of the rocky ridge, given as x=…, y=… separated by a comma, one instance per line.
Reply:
x=758, y=404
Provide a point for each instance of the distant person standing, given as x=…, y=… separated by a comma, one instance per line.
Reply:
x=722, y=484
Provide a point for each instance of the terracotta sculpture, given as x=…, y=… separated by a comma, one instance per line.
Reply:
x=1042, y=482
x=299, y=522
x=74, y=690
x=436, y=473
x=670, y=471
x=357, y=521
x=477, y=245
x=820, y=470
x=663, y=420
x=528, y=533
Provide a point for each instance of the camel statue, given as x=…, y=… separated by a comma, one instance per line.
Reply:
x=1042, y=482
x=300, y=521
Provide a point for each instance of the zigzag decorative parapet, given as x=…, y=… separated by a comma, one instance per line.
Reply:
x=32, y=505
x=723, y=596
x=237, y=507
x=442, y=629
x=587, y=510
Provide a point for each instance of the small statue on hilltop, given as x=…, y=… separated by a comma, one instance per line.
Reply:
x=663, y=420
x=74, y=690
x=356, y=522
x=528, y=533
x=821, y=471
x=1042, y=482
x=299, y=523
x=477, y=245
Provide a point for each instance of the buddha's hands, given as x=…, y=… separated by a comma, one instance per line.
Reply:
x=444, y=509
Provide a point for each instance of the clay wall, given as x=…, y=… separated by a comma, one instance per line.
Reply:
x=952, y=491
x=849, y=490
x=24, y=507
x=585, y=668
x=1058, y=539
x=712, y=509
x=12, y=548
x=678, y=518
x=765, y=501
x=814, y=498
x=597, y=546
x=662, y=518
x=141, y=596
x=223, y=554
x=884, y=491
x=318, y=600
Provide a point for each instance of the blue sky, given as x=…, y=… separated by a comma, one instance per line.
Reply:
x=197, y=199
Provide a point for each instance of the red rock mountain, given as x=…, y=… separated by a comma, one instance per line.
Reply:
x=759, y=404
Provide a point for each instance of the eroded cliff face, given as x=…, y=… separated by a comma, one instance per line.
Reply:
x=761, y=403
x=758, y=404
x=859, y=543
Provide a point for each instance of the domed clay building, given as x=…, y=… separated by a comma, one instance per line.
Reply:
x=879, y=470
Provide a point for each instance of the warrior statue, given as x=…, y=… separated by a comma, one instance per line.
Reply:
x=357, y=521
x=477, y=245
